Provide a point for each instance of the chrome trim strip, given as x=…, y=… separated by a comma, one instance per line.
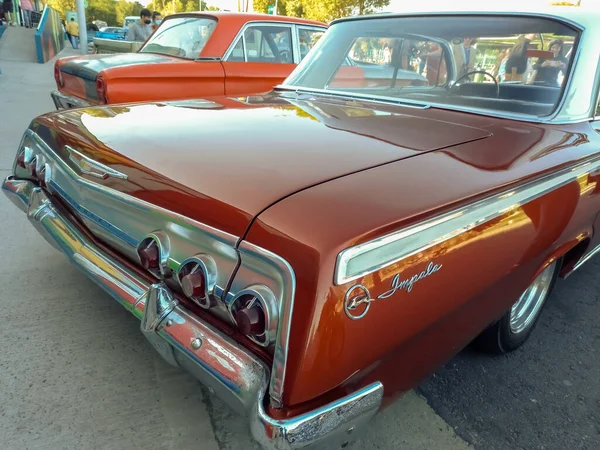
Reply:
x=237, y=376
x=424, y=235
x=262, y=266
x=93, y=217
x=90, y=167
x=585, y=259
x=62, y=101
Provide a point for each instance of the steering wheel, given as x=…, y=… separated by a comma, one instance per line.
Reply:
x=285, y=56
x=451, y=86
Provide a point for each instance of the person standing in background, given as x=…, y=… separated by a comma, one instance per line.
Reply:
x=156, y=20
x=73, y=30
x=141, y=30
x=7, y=6
x=27, y=8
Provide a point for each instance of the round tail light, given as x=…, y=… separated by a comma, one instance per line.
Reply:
x=149, y=256
x=32, y=167
x=57, y=75
x=101, y=90
x=193, y=285
x=193, y=276
x=250, y=316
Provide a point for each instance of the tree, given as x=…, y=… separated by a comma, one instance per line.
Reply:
x=263, y=6
x=105, y=10
x=125, y=8
x=322, y=10
x=62, y=5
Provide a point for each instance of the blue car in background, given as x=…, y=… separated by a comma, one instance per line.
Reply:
x=116, y=33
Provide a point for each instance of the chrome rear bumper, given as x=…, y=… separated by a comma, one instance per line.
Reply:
x=62, y=101
x=236, y=376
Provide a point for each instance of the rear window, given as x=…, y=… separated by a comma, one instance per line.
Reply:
x=184, y=37
x=509, y=64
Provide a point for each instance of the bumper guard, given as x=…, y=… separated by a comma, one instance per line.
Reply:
x=234, y=374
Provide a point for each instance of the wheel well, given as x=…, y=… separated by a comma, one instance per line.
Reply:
x=573, y=256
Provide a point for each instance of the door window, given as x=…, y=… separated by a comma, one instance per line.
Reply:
x=261, y=43
x=307, y=39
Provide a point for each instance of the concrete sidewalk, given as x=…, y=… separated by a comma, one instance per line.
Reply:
x=76, y=373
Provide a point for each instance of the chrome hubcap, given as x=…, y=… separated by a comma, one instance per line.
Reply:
x=526, y=309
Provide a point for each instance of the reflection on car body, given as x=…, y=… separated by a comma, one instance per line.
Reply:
x=190, y=55
x=314, y=251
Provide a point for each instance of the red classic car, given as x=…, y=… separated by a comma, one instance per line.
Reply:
x=191, y=55
x=315, y=251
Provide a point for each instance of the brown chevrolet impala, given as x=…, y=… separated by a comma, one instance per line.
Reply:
x=312, y=253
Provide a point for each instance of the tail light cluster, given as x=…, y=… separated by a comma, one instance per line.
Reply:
x=101, y=90
x=252, y=310
x=34, y=165
x=58, y=75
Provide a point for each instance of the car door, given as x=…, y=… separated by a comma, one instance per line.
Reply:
x=262, y=57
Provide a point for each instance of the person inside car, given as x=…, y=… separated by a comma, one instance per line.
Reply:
x=547, y=70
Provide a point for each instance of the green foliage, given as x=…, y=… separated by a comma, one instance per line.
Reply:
x=62, y=5
x=322, y=10
x=102, y=10
x=124, y=9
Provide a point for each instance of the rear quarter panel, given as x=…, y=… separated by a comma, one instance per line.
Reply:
x=408, y=335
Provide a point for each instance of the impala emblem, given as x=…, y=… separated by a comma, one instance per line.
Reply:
x=357, y=301
x=408, y=283
x=90, y=167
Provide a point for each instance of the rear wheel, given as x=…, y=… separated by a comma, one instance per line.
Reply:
x=513, y=329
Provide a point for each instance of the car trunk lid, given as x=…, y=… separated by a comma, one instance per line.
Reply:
x=223, y=166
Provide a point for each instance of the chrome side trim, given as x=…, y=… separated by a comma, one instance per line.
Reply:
x=260, y=266
x=585, y=259
x=417, y=238
x=237, y=376
x=90, y=167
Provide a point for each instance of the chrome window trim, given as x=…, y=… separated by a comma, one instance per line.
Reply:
x=443, y=227
x=271, y=23
x=297, y=37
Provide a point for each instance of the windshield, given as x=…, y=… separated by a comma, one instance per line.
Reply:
x=184, y=37
x=500, y=63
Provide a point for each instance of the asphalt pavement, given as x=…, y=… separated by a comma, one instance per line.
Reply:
x=75, y=371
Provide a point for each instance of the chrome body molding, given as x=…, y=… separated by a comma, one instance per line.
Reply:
x=362, y=259
x=123, y=221
x=589, y=255
x=236, y=376
x=259, y=266
x=90, y=167
x=62, y=101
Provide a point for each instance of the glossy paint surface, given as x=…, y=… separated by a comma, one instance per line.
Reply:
x=133, y=77
x=179, y=160
x=405, y=336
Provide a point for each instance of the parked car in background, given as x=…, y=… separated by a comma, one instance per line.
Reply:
x=191, y=55
x=116, y=33
x=313, y=252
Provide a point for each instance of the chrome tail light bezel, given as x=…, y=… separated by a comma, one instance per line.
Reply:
x=269, y=306
x=207, y=266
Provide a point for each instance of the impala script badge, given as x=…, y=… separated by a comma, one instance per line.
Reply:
x=358, y=299
x=408, y=284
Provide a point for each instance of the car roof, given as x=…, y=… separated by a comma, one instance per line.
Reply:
x=580, y=16
x=250, y=17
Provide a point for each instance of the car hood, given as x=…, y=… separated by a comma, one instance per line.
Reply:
x=224, y=165
x=89, y=67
